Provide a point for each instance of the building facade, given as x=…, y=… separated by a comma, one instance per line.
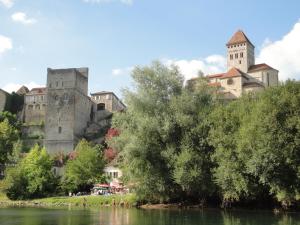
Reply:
x=35, y=105
x=69, y=108
x=106, y=100
x=242, y=75
x=3, y=99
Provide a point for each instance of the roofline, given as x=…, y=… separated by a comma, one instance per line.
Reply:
x=247, y=39
x=5, y=92
x=255, y=70
x=240, y=42
x=76, y=70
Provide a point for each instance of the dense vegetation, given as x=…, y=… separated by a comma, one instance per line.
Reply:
x=32, y=175
x=179, y=143
x=85, y=169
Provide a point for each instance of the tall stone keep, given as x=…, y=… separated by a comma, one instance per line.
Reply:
x=240, y=52
x=69, y=108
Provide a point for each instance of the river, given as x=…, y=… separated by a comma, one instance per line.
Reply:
x=110, y=216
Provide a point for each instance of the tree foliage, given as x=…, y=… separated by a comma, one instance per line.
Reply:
x=183, y=142
x=85, y=169
x=163, y=135
x=256, y=140
x=32, y=177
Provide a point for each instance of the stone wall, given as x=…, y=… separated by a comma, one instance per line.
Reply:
x=109, y=101
x=240, y=56
x=267, y=77
x=3, y=97
x=68, y=110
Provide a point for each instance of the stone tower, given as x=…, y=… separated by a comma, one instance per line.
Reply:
x=69, y=108
x=240, y=52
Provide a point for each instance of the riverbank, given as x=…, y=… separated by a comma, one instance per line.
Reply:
x=128, y=200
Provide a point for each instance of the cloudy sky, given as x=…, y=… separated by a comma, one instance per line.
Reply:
x=112, y=36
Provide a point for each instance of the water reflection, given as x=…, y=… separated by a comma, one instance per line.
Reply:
x=119, y=216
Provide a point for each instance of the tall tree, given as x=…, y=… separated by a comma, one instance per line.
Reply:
x=270, y=139
x=163, y=135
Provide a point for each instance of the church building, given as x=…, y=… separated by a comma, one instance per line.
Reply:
x=242, y=75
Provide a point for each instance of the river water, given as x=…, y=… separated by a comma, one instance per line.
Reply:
x=107, y=216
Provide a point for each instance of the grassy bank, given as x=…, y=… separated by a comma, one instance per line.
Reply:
x=128, y=200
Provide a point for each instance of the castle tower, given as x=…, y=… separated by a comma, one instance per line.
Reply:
x=240, y=52
x=69, y=108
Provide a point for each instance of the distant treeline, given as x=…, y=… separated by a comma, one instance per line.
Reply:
x=186, y=143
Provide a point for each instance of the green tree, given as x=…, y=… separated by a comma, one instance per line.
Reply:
x=85, y=169
x=163, y=145
x=270, y=140
x=230, y=172
x=8, y=137
x=32, y=177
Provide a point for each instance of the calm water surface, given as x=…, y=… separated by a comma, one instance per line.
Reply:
x=39, y=216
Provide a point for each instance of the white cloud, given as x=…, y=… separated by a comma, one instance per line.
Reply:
x=7, y=3
x=14, y=87
x=284, y=54
x=190, y=68
x=5, y=44
x=122, y=71
x=21, y=17
x=126, y=2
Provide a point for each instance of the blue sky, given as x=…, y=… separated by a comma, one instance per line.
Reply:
x=112, y=36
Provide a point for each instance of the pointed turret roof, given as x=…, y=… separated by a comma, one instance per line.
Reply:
x=238, y=38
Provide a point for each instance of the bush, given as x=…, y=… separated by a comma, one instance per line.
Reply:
x=32, y=177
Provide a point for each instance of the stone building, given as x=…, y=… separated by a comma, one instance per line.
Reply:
x=35, y=105
x=69, y=108
x=106, y=100
x=242, y=75
x=3, y=99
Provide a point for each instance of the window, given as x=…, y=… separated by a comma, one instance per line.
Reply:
x=56, y=83
x=59, y=130
x=230, y=81
x=236, y=55
x=241, y=54
x=62, y=83
x=50, y=85
x=115, y=174
x=240, y=62
x=100, y=106
x=30, y=107
x=37, y=107
x=66, y=97
x=231, y=57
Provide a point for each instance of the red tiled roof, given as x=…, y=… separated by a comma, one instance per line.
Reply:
x=238, y=38
x=216, y=75
x=233, y=72
x=215, y=84
x=259, y=67
x=39, y=90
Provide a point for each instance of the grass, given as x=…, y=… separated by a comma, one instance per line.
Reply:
x=128, y=200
